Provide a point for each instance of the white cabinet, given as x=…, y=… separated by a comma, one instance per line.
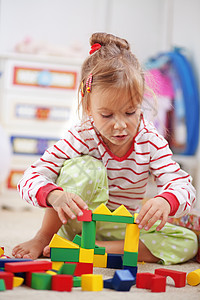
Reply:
x=38, y=100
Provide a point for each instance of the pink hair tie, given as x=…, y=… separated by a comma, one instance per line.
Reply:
x=89, y=83
x=94, y=48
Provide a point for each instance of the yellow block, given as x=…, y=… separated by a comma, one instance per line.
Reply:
x=135, y=216
x=131, y=241
x=91, y=282
x=122, y=211
x=102, y=210
x=100, y=261
x=193, y=278
x=56, y=265
x=1, y=251
x=17, y=281
x=86, y=255
x=59, y=242
x=50, y=272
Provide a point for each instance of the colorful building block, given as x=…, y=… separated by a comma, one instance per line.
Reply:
x=88, y=235
x=1, y=251
x=3, y=261
x=59, y=242
x=116, y=219
x=8, y=279
x=91, y=282
x=158, y=284
x=83, y=268
x=62, y=254
x=27, y=266
x=154, y=282
x=193, y=278
x=99, y=250
x=17, y=281
x=41, y=281
x=56, y=265
x=107, y=284
x=102, y=210
x=123, y=280
x=62, y=283
x=67, y=268
x=133, y=270
x=100, y=261
x=122, y=211
x=77, y=240
x=86, y=255
x=130, y=258
x=77, y=281
x=131, y=241
x=178, y=277
x=87, y=215
x=115, y=261
x=2, y=285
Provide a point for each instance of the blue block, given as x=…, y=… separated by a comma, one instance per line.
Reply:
x=107, y=283
x=11, y=260
x=123, y=280
x=133, y=270
x=115, y=261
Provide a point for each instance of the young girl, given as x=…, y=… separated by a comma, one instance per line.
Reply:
x=106, y=158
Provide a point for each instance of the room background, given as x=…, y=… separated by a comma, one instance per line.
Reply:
x=48, y=28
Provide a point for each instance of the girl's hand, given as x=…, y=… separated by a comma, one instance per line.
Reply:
x=65, y=203
x=153, y=210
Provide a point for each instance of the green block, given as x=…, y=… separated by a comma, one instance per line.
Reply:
x=111, y=218
x=65, y=254
x=130, y=259
x=41, y=281
x=99, y=250
x=77, y=281
x=67, y=269
x=2, y=285
x=77, y=240
x=88, y=235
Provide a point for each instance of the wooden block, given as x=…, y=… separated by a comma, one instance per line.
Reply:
x=61, y=254
x=115, y=261
x=17, y=281
x=3, y=261
x=91, y=282
x=77, y=240
x=99, y=250
x=41, y=281
x=178, y=276
x=86, y=255
x=88, y=235
x=56, y=265
x=87, y=215
x=131, y=241
x=133, y=270
x=130, y=259
x=51, y=272
x=116, y=219
x=83, y=268
x=77, y=281
x=123, y=280
x=27, y=266
x=59, y=242
x=8, y=279
x=62, y=283
x=2, y=285
x=193, y=278
x=1, y=251
x=102, y=209
x=67, y=268
x=100, y=261
x=122, y=211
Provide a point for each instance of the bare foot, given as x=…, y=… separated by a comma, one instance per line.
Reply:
x=33, y=248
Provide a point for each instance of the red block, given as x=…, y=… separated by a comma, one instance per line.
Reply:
x=28, y=278
x=87, y=215
x=158, y=284
x=178, y=277
x=8, y=278
x=62, y=283
x=28, y=266
x=143, y=280
x=83, y=268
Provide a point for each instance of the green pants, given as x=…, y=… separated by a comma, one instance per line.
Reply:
x=87, y=177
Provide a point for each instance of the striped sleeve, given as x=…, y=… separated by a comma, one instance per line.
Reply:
x=170, y=178
x=44, y=172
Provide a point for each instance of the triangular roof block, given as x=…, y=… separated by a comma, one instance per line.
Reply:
x=59, y=242
x=102, y=210
x=121, y=211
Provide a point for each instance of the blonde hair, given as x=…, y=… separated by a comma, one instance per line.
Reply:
x=111, y=66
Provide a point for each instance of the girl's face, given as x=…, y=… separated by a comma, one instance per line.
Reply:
x=116, y=117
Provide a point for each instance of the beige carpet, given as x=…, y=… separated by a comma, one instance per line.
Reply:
x=17, y=226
